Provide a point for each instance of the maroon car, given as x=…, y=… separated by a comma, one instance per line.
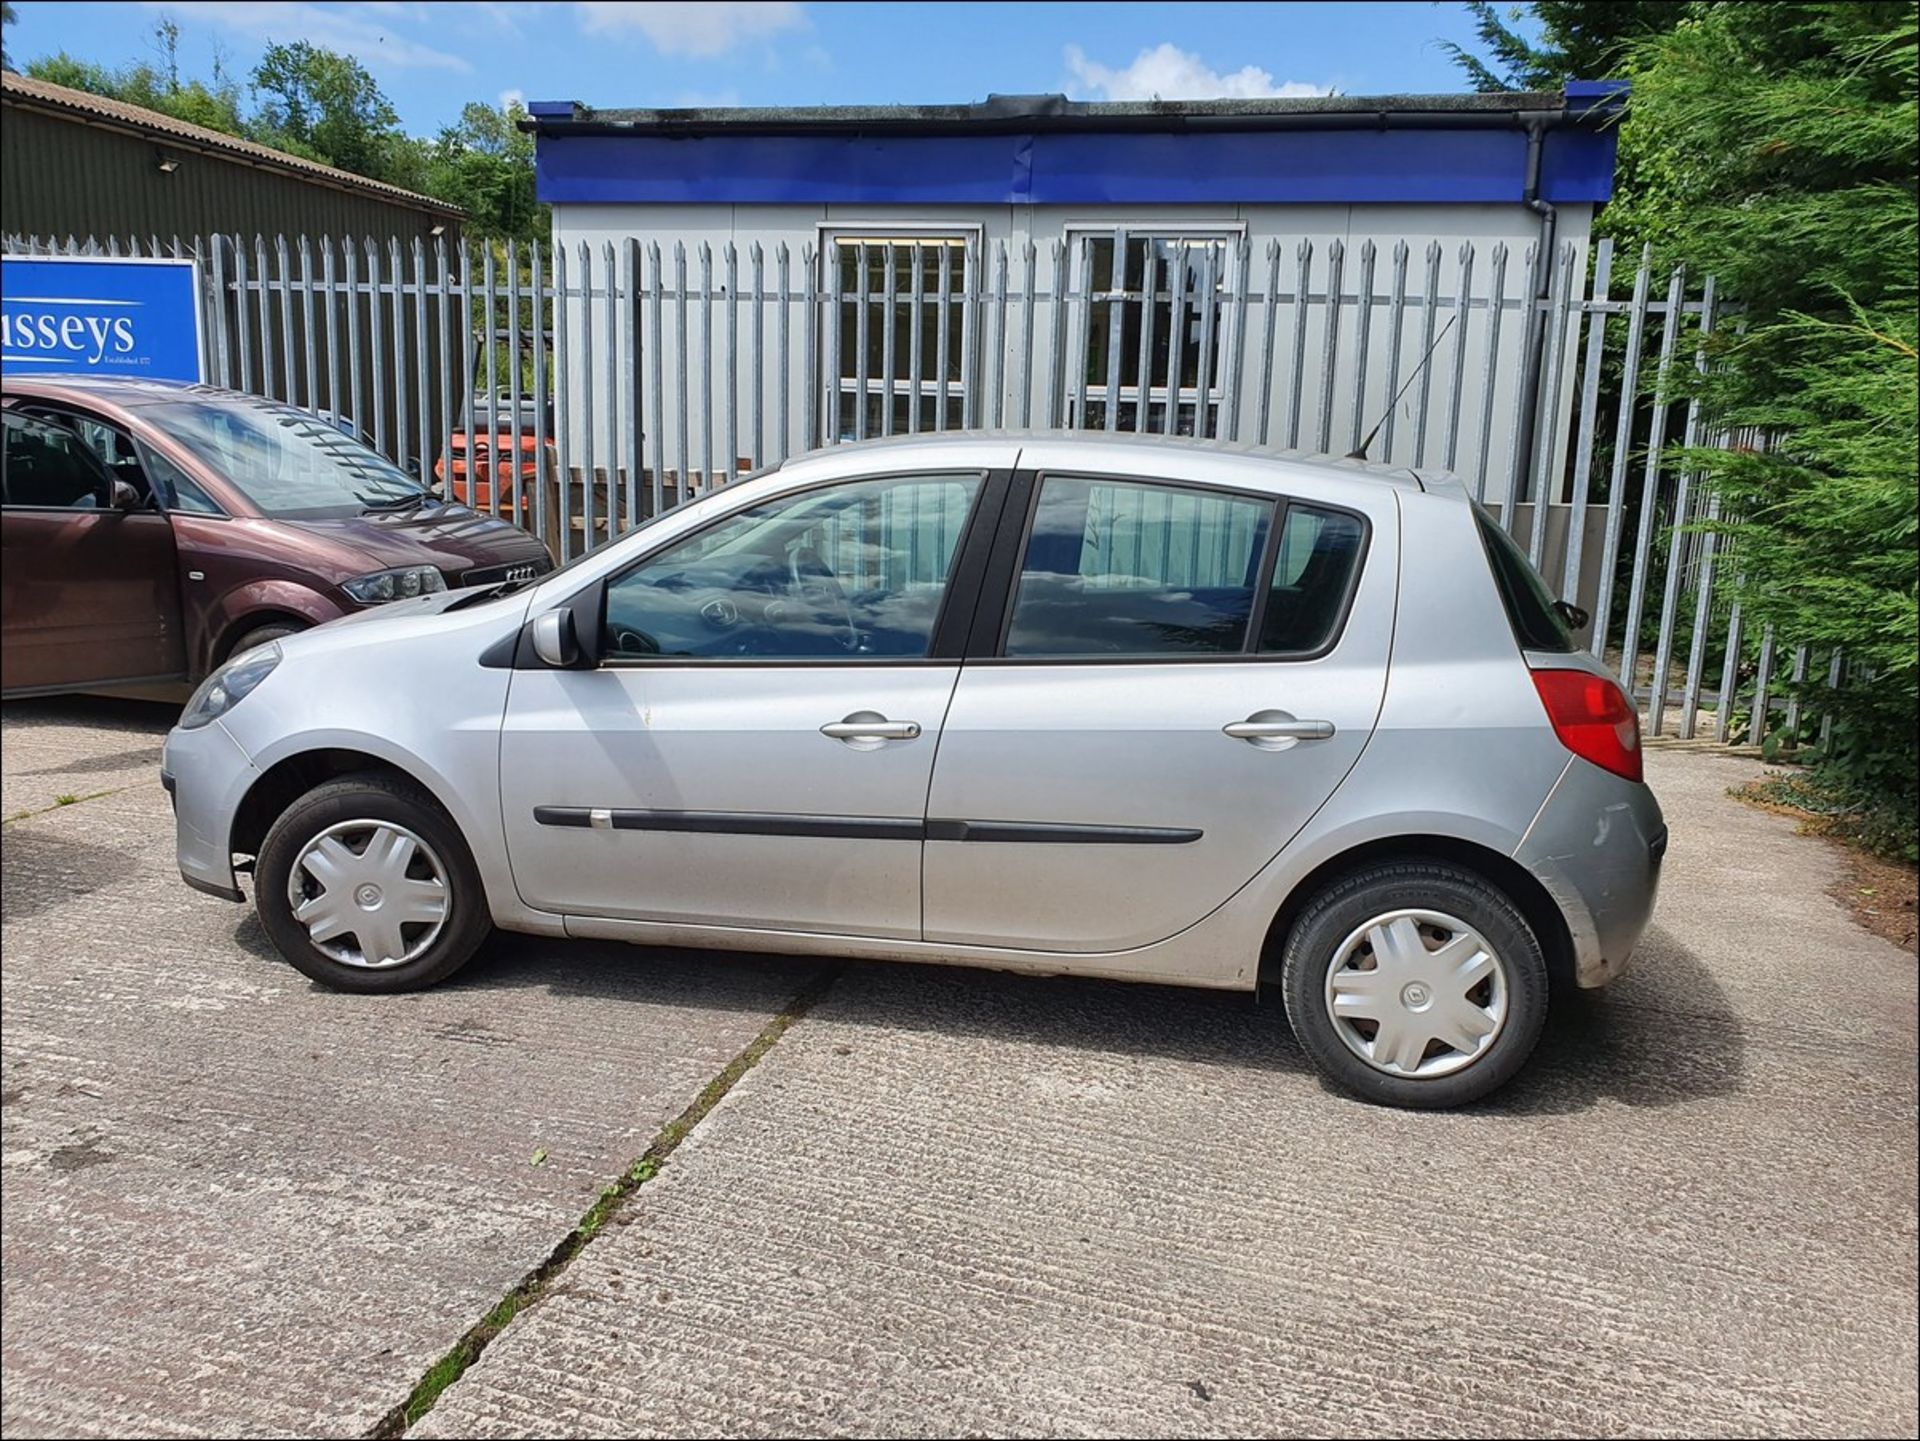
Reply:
x=150, y=530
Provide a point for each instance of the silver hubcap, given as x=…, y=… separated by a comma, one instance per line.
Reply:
x=1417, y=993
x=370, y=893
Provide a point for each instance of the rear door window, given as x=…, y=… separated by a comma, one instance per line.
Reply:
x=1530, y=605
x=1116, y=569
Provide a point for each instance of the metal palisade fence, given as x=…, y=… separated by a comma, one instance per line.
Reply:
x=581, y=388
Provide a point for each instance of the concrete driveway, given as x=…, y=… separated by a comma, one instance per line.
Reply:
x=926, y=1202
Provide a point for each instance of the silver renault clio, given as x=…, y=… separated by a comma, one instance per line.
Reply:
x=1069, y=704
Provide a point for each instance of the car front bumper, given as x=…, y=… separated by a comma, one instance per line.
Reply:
x=208, y=775
x=1597, y=846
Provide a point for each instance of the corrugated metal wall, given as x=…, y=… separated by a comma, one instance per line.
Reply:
x=60, y=177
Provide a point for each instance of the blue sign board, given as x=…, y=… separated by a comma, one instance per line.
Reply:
x=100, y=315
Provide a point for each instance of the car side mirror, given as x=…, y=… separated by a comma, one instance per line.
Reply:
x=553, y=639
x=123, y=497
x=568, y=638
x=1575, y=616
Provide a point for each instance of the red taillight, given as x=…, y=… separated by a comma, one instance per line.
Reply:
x=1593, y=718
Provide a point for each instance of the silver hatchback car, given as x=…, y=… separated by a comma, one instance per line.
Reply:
x=1074, y=705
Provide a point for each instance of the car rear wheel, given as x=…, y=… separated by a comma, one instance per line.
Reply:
x=365, y=884
x=1415, y=983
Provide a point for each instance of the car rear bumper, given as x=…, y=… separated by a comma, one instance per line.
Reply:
x=208, y=775
x=1597, y=846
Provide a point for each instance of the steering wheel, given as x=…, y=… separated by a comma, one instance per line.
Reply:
x=814, y=582
x=629, y=641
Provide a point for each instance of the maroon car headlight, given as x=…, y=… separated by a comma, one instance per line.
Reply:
x=402, y=584
x=228, y=686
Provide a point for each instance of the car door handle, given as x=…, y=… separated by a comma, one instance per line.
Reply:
x=1276, y=730
x=872, y=727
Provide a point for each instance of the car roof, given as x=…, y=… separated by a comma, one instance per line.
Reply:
x=116, y=390
x=1000, y=446
x=995, y=447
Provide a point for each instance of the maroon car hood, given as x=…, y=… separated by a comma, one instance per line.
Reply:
x=453, y=537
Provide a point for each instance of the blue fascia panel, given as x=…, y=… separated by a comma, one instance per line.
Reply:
x=1577, y=165
x=1074, y=168
x=1301, y=167
x=767, y=169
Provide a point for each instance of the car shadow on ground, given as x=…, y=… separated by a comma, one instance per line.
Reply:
x=1663, y=1035
x=94, y=712
x=41, y=868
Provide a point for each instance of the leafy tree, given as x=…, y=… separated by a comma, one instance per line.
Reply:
x=484, y=163
x=1580, y=40
x=75, y=74
x=1779, y=140
x=214, y=104
x=327, y=107
x=1772, y=144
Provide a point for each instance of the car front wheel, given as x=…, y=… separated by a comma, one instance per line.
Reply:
x=1415, y=983
x=365, y=884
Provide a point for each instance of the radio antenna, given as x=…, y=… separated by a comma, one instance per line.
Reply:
x=1360, y=451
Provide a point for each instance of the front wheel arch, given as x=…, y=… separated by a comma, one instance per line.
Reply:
x=283, y=783
x=1519, y=885
x=240, y=634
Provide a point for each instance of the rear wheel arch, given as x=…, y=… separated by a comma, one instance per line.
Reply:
x=1511, y=878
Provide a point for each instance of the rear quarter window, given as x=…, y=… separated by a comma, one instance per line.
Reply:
x=1530, y=605
x=1314, y=574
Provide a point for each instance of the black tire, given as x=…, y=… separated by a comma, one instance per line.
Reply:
x=371, y=796
x=1350, y=902
x=260, y=635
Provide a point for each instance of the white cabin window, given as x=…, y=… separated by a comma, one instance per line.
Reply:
x=897, y=360
x=1156, y=327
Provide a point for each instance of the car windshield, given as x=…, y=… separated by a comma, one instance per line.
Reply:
x=291, y=465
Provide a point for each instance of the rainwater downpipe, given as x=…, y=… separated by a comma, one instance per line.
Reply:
x=1533, y=364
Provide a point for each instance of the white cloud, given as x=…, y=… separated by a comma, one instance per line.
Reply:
x=363, y=31
x=498, y=13
x=1167, y=72
x=686, y=27
x=511, y=98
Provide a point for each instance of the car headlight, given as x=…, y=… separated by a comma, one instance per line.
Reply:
x=402, y=584
x=231, y=684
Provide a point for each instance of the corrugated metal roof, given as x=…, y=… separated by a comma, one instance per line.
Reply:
x=81, y=104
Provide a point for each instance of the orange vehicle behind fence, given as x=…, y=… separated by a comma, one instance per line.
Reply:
x=480, y=472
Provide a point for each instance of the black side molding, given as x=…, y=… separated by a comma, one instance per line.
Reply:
x=737, y=823
x=871, y=828
x=1049, y=833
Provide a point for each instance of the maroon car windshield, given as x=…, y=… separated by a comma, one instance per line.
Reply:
x=291, y=465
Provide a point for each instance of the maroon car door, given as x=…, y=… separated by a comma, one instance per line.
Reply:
x=89, y=594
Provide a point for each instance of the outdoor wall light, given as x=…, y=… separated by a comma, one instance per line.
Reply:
x=166, y=163
x=437, y=231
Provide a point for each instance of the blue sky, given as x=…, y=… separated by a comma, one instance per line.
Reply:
x=430, y=58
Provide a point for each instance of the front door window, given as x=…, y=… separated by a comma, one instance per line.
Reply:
x=49, y=467
x=844, y=572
